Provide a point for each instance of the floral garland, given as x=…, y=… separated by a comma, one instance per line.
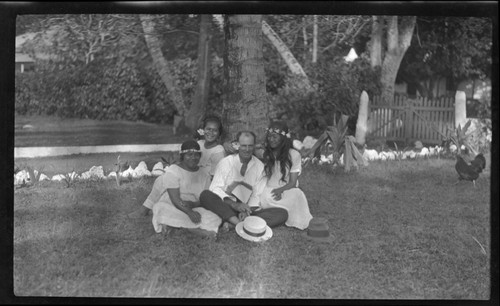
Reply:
x=278, y=131
x=189, y=150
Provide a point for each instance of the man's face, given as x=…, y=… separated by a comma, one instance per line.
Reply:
x=247, y=146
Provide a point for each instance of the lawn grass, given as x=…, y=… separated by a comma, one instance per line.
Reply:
x=47, y=131
x=402, y=230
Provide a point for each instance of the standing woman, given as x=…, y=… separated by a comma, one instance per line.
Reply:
x=211, y=149
x=176, y=193
x=283, y=165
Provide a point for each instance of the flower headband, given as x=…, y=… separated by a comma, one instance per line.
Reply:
x=189, y=150
x=278, y=131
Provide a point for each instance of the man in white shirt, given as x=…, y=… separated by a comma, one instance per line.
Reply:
x=238, y=181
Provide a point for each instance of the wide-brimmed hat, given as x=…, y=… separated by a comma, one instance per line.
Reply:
x=318, y=231
x=254, y=228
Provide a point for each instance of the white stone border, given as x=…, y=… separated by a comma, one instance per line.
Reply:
x=31, y=152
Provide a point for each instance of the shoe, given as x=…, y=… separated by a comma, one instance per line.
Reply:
x=226, y=227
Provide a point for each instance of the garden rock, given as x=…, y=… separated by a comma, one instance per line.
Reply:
x=57, y=177
x=370, y=154
x=309, y=142
x=158, y=169
x=424, y=152
x=43, y=177
x=386, y=156
x=141, y=170
x=128, y=173
x=94, y=172
x=20, y=176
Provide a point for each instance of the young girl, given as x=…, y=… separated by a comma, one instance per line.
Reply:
x=211, y=150
x=282, y=168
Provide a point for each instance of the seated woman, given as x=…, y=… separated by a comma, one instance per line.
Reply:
x=211, y=150
x=283, y=165
x=175, y=195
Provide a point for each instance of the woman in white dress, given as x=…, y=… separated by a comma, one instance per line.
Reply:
x=211, y=149
x=283, y=165
x=176, y=193
x=211, y=153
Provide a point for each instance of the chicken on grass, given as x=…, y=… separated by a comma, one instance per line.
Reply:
x=470, y=171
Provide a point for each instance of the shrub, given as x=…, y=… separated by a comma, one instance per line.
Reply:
x=336, y=93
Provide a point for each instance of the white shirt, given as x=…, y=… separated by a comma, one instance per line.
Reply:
x=210, y=157
x=228, y=171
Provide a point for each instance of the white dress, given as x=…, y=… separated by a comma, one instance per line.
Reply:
x=210, y=157
x=293, y=200
x=190, y=185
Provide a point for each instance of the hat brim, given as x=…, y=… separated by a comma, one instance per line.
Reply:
x=239, y=230
x=328, y=239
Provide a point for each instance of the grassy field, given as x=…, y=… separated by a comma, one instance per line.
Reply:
x=48, y=131
x=402, y=230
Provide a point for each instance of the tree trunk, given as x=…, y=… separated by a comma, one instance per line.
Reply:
x=245, y=105
x=200, y=100
x=162, y=66
x=304, y=37
x=286, y=54
x=398, y=41
x=376, y=43
x=315, y=40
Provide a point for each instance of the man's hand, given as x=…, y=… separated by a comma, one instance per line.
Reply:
x=194, y=216
x=243, y=215
x=241, y=207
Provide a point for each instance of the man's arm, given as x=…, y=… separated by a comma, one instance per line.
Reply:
x=218, y=185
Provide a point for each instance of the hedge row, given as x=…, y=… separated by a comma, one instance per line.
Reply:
x=94, y=91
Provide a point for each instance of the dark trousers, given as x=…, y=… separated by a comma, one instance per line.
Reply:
x=273, y=216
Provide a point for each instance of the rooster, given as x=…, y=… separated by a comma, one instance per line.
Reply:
x=470, y=171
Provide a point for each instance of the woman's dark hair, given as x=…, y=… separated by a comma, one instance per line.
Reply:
x=283, y=151
x=187, y=145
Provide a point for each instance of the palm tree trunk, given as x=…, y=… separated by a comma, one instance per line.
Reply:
x=162, y=66
x=199, y=104
x=245, y=104
x=286, y=54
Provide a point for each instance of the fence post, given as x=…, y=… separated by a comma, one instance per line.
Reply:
x=460, y=109
x=408, y=125
x=361, y=124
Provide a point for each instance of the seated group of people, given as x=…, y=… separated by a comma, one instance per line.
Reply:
x=215, y=187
